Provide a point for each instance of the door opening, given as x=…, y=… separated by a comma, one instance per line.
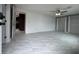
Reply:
x=20, y=22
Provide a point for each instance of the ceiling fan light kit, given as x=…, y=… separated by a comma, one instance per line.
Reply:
x=58, y=14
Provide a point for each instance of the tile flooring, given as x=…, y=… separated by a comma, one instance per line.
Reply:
x=43, y=43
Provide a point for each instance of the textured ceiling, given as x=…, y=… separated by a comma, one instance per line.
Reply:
x=45, y=8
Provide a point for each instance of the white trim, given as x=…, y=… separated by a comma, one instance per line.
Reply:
x=68, y=23
x=57, y=25
x=13, y=22
x=65, y=30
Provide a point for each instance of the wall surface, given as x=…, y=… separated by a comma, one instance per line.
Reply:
x=36, y=22
x=4, y=26
x=0, y=39
x=0, y=33
x=74, y=24
x=8, y=23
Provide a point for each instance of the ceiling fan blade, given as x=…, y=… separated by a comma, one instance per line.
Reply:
x=63, y=11
x=52, y=11
x=69, y=7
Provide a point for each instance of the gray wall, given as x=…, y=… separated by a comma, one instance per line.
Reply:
x=4, y=26
x=70, y=25
x=0, y=32
x=8, y=23
x=74, y=24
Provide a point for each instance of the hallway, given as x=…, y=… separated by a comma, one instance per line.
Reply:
x=43, y=43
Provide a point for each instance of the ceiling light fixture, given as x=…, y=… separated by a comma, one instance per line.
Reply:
x=58, y=14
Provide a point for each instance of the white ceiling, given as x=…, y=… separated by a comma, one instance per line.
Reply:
x=45, y=8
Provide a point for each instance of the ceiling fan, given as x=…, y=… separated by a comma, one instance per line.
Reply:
x=60, y=11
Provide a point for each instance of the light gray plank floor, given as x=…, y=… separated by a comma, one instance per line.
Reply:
x=43, y=43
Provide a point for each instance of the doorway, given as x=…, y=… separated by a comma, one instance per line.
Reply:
x=20, y=22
